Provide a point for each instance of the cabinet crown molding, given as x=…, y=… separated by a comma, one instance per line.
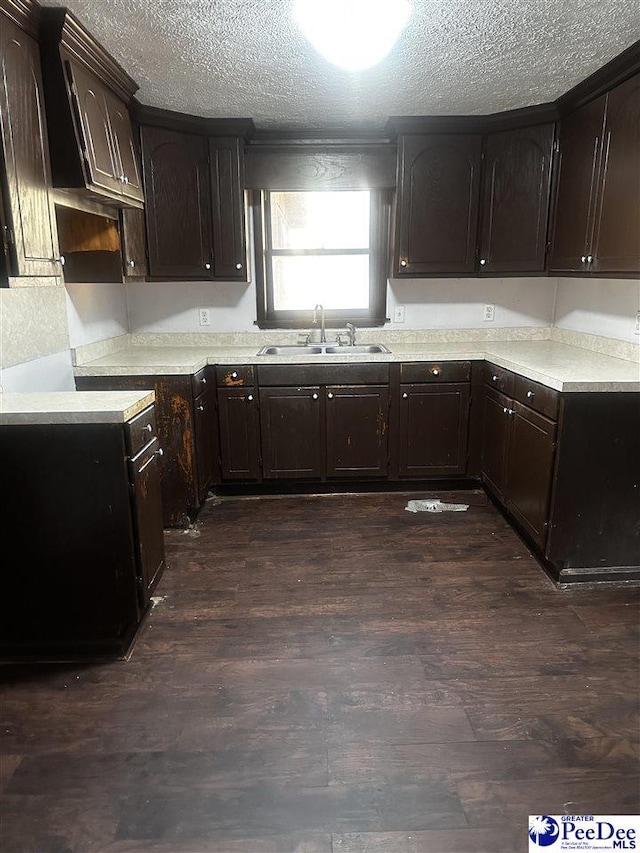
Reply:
x=58, y=26
x=508, y=120
x=24, y=13
x=171, y=120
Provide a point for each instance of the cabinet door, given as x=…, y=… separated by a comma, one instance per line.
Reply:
x=530, y=470
x=290, y=426
x=178, y=206
x=495, y=440
x=578, y=164
x=227, y=194
x=515, y=200
x=147, y=516
x=125, y=149
x=434, y=421
x=438, y=204
x=92, y=106
x=204, y=416
x=617, y=231
x=31, y=225
x=134, y=242
x=357, y=431
x=239, y=434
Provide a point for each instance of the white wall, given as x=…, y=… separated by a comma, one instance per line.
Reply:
x=598, y=306
x=96, y=312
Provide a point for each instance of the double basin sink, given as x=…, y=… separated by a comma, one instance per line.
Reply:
x=324, y=349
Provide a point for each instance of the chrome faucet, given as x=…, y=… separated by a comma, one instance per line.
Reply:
x=351, y=331
x=323, y=336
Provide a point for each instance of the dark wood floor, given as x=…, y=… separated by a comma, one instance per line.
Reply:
x=332, y=675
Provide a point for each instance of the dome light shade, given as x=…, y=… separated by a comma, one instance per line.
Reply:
x=353, y=34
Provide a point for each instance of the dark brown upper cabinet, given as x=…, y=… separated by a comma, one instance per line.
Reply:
x=516, y=186
x=438, y=197
x=178, y=209
x=134, y=243
x=193, y=173
x=93, y=149
x=228, y=208
x=597, y=219
x=30, y=232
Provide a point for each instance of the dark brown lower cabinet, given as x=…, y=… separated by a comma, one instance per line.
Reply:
x=239, y=433
x=86, y=522
x=518, y=451
x=183, y=485
x=291, y=432
x=433, y=430
x=531, y=451
x=357, y=431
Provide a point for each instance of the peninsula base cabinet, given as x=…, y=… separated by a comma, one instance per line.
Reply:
x=86, y=525
x=566, y=470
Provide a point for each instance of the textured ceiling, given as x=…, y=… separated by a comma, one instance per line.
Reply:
x=246, y=58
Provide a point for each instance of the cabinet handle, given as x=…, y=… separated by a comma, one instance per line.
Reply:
x=147, y=428
x=207, y=266
x=482, y=262
x=314, y=396
x=238, y=266
x=435, y=371
x=531, y=394
x=404, y=395
x=159, y=452
x=250, y=398
x=330, y=395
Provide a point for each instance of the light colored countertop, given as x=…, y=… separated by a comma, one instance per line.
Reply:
x=73, y=407
x=556, y=365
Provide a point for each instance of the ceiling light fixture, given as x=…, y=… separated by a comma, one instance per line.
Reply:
x=353, y=34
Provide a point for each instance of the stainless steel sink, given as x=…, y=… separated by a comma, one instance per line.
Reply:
x=357, y=349
x=323, y=349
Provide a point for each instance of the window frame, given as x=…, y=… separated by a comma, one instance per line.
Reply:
x=378, y=252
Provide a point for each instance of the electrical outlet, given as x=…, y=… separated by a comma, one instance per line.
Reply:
x=398, y=314
x=204, y=317
x=637, y=328
x=489, y=314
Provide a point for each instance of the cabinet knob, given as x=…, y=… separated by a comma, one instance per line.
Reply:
x=531, y=394
x=234, y=375
x=435, y=371
x=201, y=408
x=207, y=266
x=250, y=398
x=583, y=259
x=159, y=452
x=404, y=395
x=203, y=380
x=330, y=395
x=147, y=428
x=495, y=377
x=131, y=263
x=505, y=410
x=482, y=262
x=59, y=260
x=125, y=179
x=589, y=259
x=403, y=263
x=238, y=266
x=314, y=396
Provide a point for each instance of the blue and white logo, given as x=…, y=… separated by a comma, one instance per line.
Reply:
x=543, y=830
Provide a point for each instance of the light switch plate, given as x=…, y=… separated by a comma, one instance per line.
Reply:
x=637, y=328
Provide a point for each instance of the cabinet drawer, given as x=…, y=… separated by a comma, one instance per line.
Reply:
x=140, y=430
x=498, y=377
x=199, y=381
x=536, y=396
x=440, y=371
x=232, y=376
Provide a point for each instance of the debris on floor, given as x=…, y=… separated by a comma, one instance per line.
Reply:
x=435, y=505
